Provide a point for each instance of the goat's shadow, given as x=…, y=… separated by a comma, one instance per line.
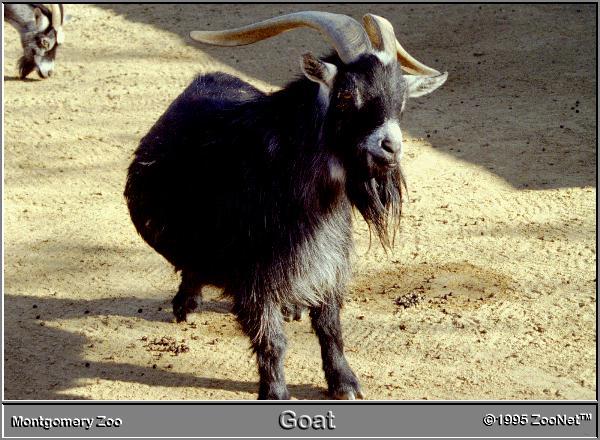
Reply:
x=53, y=374
x=530, y=151
x=73, y=259
x=32, y=324
x=18, y=78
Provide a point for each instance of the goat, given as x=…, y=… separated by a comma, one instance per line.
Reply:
x=40, y=28
x=253, y=192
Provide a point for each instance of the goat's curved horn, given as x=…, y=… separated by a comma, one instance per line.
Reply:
x=345, y=34
x=57, y=21
x=381, y=33
x=411, y=65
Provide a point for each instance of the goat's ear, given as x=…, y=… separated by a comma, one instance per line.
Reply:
x=317, y=70
x=41, y=21
x=423, y=85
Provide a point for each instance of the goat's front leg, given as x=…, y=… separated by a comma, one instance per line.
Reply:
x=341, y=380
x=264, y=326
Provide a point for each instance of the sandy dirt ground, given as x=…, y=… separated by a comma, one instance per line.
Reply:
x=497, y=248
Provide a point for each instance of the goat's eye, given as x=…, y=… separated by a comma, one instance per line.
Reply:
x=43, y=43
x=345, y=95
x=345, y=100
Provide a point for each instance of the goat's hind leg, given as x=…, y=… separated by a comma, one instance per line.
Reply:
x=185, y=299
x=263, y=324
x=341, y=380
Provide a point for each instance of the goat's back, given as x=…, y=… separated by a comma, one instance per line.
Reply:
x=185, y=186
x=19, y=15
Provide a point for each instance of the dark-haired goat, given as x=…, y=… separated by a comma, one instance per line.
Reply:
x=40, y=29
x=254, y=192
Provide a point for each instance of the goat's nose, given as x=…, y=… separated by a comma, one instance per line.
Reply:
x=389, y=146
x=50, y=72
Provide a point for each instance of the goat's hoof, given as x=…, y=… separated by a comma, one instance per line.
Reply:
x=350, y=395
x=182, y=308
x=347, y=388
x=180, y=314
x=276, y=393
x=180, y=311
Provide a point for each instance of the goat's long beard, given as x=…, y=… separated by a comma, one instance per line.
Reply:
x=379, y=200
x=26, y=66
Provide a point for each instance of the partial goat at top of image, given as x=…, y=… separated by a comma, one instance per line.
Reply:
x=41, y=29
x=254, y=192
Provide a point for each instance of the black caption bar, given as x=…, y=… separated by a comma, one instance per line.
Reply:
x=297, y=419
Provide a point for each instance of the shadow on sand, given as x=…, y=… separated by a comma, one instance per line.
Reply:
x=535, y=152
x=52, y=373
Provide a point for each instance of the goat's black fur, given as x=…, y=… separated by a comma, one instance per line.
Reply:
x=254, y=192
